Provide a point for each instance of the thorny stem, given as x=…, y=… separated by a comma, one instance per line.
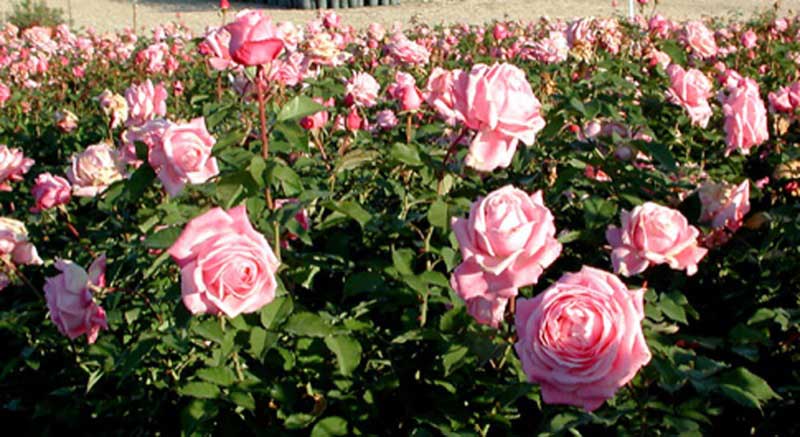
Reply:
x=262, y=117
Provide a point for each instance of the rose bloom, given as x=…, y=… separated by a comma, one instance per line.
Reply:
x=183, y=155
x=323, y=50
x=499, y=104
x=13, y=164
x=439, y=93
x=65, y=120
x=407, y=52
x=653, y=234
x=331, y=20
x=404, y=89
x=215, y=46
x=510, y=236
x=363, y=89
x=318, y=120
x=749, y=39
x=14, y=244
x=94, y=169
x=226, y=265
x=786, y=99
x=581, y=339
x=50, y=191
x=254, y=39
x=580, y=33
x=114, y=106
x=690, y=89
x=146, y=102
x=386, y=119
x=745, y=118
x=724, y=205
x=551, y=50
x=700, y=39
x=5, y=94
x=69, y=299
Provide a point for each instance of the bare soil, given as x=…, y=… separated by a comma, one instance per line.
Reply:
x=197, y=14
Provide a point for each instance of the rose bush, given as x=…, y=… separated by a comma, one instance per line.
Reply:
x=298, y=229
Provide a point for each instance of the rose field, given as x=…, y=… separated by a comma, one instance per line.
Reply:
x=559, y=227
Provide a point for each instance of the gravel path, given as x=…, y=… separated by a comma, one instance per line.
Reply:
x=115, y=14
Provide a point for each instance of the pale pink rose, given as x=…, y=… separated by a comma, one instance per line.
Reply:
x=580, y=32
x=69, y=299
x=14, y=244
x=291, y=35
x=551, y=50
x=322, y=49
x=724, y=205
x=148, y=133
x=363, y=89
x=749, y=39
x=50, y=191
x=581, y=339
x=510, y=236
x=439, y=93
x=65, y=120
x=146, y=102
x=226, y=265
x=376, y=31
x=386, y=119
x=653, y=234
x=745, y=118
x=183, y=155
x=13, y=164
x=657, y=57
x=407, y=52
x=786, y=99
x=690, y=89
x=485, y=304
x=94, y=169
x=114, y=106
x=215, y=47
x=499, y=104
x=290, y=71
x=254, y=38
x=700, y=39
x=5, y=94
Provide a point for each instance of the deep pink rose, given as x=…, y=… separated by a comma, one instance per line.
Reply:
x=581, y=339
x=224, y=5
x=331, y=20
x=353, y=122
x=404, y=89
x=13, y=165
x=724, y=205
x=509, y=235
x=499, y=104
x=226, y=265
x=690, y=89
x=700, y=39
x=184, y=156
x=363, y=89
x=145, y=102
x=69, y=299
x=745, y=117
x=749, y=39
x=94, y=169
x=50, y=191
x=439, y=93
x=500, y=32
x=254, y=39
x=14, y=244
x=653, y=234
x=319, y=119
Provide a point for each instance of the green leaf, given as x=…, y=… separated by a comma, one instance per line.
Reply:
x=163, y=239
x=276, y=312
x=230, y=187
x=363, y=282
x=437, y=215
x=402, y=260
x=199, y=389
x=597, y=212
x=290, y=182
x=330, y=426
x=229, y=139
x=406, y=153
x=307, y=324
x=746, y=388
x=256, y=168
x=223, y=376
x=347, y=350
x=454, y=358
x=354, y=159
x=210, y=330
x=299, y=107
x=298, y=421
x=243, y=399
x=662, y=154
x=351, y=209
x=142, y=178
x=671, y=304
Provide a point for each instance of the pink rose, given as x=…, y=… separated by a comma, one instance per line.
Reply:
x=407, y=52
x=13, y=164
x=786, y=99
x=551, y=50
x=94, y=169
x=404, y=89
x=439, y=93
x=50, y=191
x=724, y=205
x=215, y=46
x=5, y=94
x=510, y=236
x=254, y=39
x=353, y=122
x=386, y=119
x=183, y=155
x=690, y=89
x=363, y=89
x=226, y=266
x=331, y=20
x=65, y=120
x=653, y=234
x=749, y=39
x=485, y=303
x=146, y=102
x=700, y=39
x=114, y=106
x=499, y=104
x=745, y=117
x=500, y=32
x=580, y=33
x=581, y=339
x=69, y=299
x=14, y=244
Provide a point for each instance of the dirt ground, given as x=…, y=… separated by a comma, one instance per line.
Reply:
x=197, y=14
